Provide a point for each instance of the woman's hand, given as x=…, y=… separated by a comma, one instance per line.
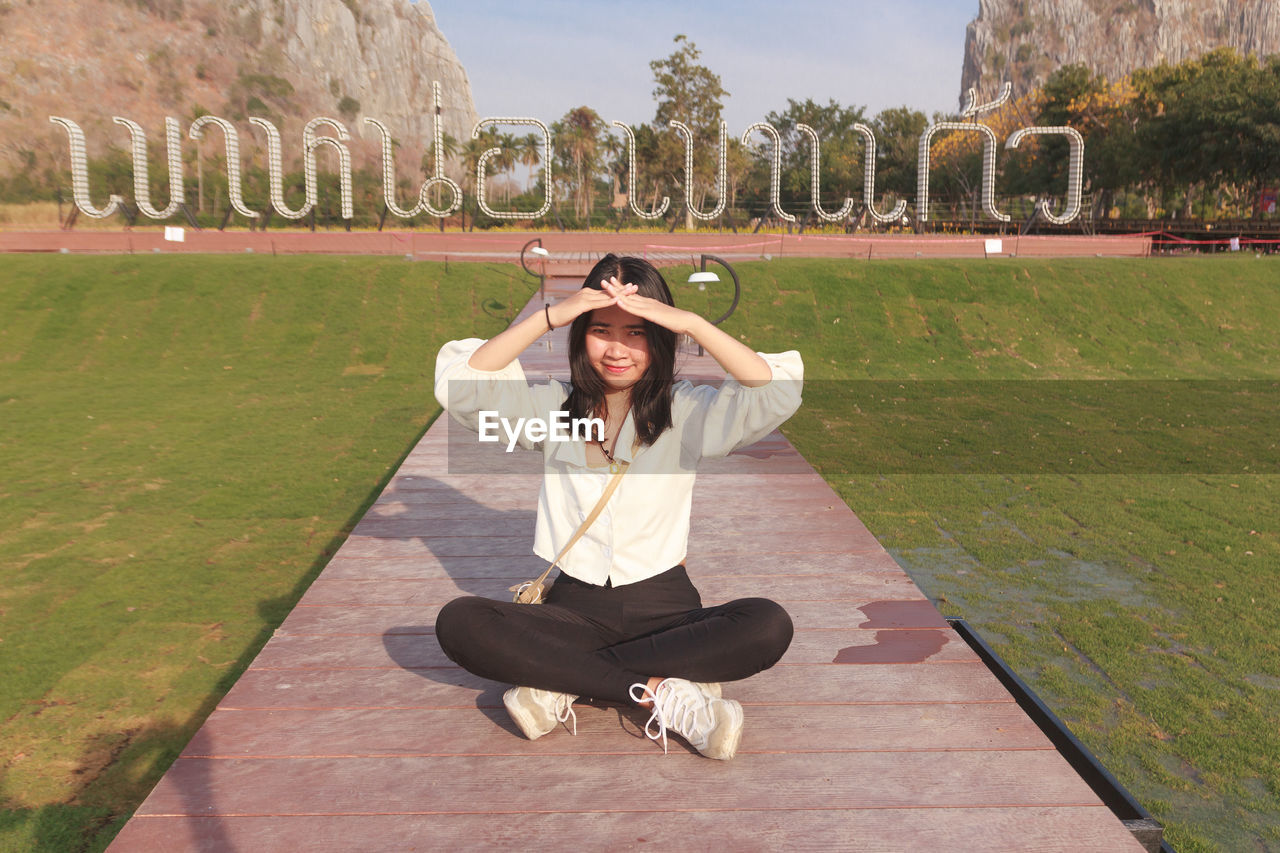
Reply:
x=586, y=299
x=502, y=349
x=738, y=360
x=667, y=316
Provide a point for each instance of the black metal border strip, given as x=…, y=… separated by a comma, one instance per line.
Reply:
x=1108, y=788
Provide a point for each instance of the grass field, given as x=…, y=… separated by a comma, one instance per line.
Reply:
x=186, y=440
x=1142, y=605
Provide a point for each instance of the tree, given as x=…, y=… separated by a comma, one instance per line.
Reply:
x=841, y=150
x=1196, y=121
x=577, y=139
x=691, y=93
x=1104, y=115
x=448, y=150
x=898, y=131
x=529, y=151
x=470, y=152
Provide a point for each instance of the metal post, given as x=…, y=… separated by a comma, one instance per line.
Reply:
x=737, y=288
x=542, y=276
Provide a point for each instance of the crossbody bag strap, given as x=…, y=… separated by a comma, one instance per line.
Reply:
x=609, y=489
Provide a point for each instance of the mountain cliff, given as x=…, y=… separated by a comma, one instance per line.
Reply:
x=289, y=61
x=1024, y=41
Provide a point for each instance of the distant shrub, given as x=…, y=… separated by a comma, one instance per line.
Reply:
x=348, y=107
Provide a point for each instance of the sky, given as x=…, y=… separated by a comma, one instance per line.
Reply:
x=542, y=58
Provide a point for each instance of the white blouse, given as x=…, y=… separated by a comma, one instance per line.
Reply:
x=644, y=529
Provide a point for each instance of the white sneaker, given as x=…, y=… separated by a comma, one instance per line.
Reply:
x=712, y=687
x=536, y=712
x=711, y=725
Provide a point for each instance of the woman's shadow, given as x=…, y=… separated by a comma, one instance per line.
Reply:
x=468, y=526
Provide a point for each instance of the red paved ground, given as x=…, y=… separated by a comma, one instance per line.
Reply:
x=571, y=247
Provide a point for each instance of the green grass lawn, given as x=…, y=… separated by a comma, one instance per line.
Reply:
x=1142, y=605
x=186, y=441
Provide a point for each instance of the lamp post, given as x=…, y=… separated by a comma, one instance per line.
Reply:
x=703, y=276
x=534, y=247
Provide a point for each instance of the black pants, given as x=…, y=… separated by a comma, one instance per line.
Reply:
x=597, y=641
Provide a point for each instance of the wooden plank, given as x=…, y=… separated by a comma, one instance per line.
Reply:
x=603, y=730
x=434, y=545
x=449, y=686
x=848, y=541
x=483, y=521
x=409, y=644
x=515, y=492
x=1038, y=829
x=766, y=564
x=860, y=646
x=834, y=566
x=354, y=619
x=442, y=505
x=441, y=543
x=345, y=566
x=854, y=590
x=416, y=785
x=445, y=687
x=490, y=523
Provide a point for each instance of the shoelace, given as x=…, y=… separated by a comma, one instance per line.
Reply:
x=670, y=710
x=564, y=711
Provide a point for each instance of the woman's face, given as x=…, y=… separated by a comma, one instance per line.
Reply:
x=617, y=346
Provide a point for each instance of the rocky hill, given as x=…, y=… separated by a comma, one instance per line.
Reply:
x=287, y=60
x=1023, y=41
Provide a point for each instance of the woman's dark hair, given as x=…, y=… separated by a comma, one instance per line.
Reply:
x=651, y=394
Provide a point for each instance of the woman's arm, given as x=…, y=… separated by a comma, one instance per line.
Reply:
x=504, y=348
x=738, y=359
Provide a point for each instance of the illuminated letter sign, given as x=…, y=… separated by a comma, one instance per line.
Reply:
x=1075, y=169
x=389, y=171
x=988, y=155
x=775, y=167
x=814, y=163
x=231, y=140
x=141, y=188
x=311, y=141
x=80, y=172
x=633, y=181
x=481, y=166
x=721, y=182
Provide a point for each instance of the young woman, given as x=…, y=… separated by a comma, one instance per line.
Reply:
x=622, y=622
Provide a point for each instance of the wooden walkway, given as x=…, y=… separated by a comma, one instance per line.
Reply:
x=879, y=730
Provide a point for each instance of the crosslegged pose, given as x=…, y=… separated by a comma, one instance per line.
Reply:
x=622, y=622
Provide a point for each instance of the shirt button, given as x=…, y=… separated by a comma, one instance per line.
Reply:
x=608, y=552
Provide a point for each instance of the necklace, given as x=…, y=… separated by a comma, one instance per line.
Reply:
x=613, y=466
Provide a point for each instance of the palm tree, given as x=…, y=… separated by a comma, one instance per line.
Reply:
x=471, y=151
x=579, y=138
x=505, y=161
x=448, y=150
x=529, y=153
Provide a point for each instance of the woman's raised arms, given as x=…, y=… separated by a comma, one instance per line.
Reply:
x=504, y=348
